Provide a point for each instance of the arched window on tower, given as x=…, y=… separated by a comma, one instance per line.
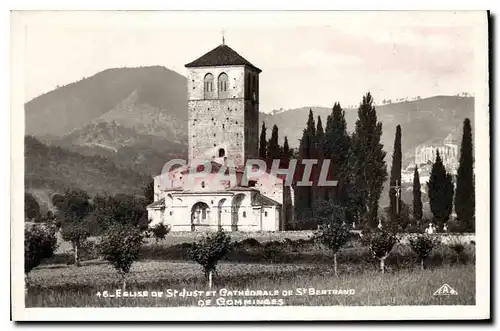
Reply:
x=222, y=152
x=223, y=85
x=208, y=83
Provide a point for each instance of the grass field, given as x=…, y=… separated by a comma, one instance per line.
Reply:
x=69, y=286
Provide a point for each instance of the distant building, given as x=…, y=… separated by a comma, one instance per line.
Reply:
x=448, y=150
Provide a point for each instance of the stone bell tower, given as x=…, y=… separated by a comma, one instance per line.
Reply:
x=223, y=102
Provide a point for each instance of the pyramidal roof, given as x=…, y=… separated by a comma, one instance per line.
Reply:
x=222, y=55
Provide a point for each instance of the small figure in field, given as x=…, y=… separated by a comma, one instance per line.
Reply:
x=380, y=224
x=445, y=228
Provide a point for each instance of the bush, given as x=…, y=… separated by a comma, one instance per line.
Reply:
x=120, y=246
x=333, y=236
x=273, y=251
x=381, y=244
x=160, y=231
x=249, y=243
x=458, y=248
x=422, y=245
x=454, y=226
x=40, y=242
x=209, y=250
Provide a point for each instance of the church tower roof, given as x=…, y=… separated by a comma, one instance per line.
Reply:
x=222, y=55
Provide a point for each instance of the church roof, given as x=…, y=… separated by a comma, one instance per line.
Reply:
x=262, y=200
x=159, y=204
x=222, y=55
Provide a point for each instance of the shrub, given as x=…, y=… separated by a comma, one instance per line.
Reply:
x=454, y=226
x=160, y=231
x=381, y=244
x=422, y=245
x=458, y=247
x=40, y=242
x=273, y=250
x=209, y=250
x=120, y=245
x=250, y=243
x=333, y=236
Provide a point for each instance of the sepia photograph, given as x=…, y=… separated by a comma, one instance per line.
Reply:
x=250, y=165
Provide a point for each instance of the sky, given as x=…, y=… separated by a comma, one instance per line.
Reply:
x=306, y=58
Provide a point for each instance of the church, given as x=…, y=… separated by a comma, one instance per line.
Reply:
x=223, y=129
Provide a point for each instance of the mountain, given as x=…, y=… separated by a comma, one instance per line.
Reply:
x=422, y=121
x=123, y=146
x=135, y=117
x=152, y=100
x=53, y=169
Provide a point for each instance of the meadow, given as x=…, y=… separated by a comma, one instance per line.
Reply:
x=271, y=264
x=78, y=287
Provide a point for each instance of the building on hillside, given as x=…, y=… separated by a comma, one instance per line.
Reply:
x=448, y=150
x=223, y=130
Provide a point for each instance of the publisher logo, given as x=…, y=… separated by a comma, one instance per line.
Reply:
x=446, y=290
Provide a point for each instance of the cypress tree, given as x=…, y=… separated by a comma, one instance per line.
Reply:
x=417, y=197
x=263, y=142
x=303, y=199
x=311, y=126
x=287, y=196
x=304, y=194
x=367, y=158
x=440, y=193
x=273, y=147
x=319, y=191
x=337, y=146
x=395, y=180
x=465, y=195
x=287, y=152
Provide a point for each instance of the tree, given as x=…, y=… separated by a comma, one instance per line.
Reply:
x=319, y=191
x=422, y=245
x=287, y=195
x=273, y=147
x=304, y=195
x=337, y=149
x=72, y=210
x=120, y=245
x=160, y=231
x=209, y=250
x=369, y=171
x=303, y=200
x=381, y=244
x=287, y=152
x=149, y=192
x=417, y=197
x=40, y=242
x=31, y=208
x=395, y=181
x=119, y=209
x=440, y=193
x=311, y=132
x=333, y=232
x=465, y=195
x=263, y=142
